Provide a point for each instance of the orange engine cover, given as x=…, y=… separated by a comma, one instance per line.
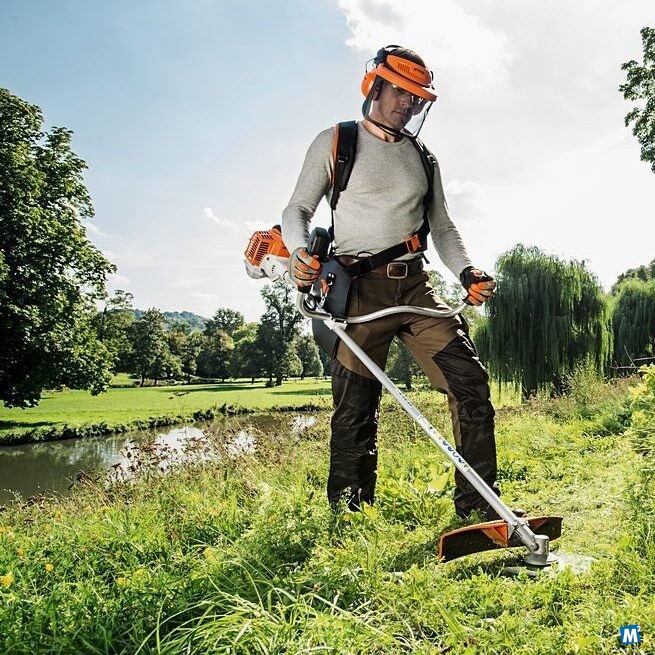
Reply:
x=265, y=242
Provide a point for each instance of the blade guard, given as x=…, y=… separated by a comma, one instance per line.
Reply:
x=493, y=534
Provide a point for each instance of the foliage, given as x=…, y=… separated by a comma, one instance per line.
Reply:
x=307, y=352
x=151, y=356
x=633, y=322
x=644, y=273
x=546, y=317
x=246, y=359
x=113, y=326
x=453, y=294
x=642, y=429
x=401, y=364
x=195, y=322
x=226, y=320
x=50, y=273
x=215, y=357
x=277, y=329
x=186, y=345
x=640, y=86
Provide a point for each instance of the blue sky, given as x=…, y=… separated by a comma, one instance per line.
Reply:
x=194, y=118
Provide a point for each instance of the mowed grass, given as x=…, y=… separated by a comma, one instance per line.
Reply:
x=125, y=405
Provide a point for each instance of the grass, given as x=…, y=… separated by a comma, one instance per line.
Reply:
x=123, y=406
x=245, y=557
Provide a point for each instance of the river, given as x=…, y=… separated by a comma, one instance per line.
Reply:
x=54, y=467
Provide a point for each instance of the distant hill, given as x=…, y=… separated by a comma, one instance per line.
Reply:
x=194, y=321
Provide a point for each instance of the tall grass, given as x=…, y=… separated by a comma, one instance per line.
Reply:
x=245, y=556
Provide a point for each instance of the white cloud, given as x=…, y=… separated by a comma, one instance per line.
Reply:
x=221, y=222
x=445, y=35
x=94, y=229
x=118, y=281
x=466, y=199
x=258, y=225
x=204, y=304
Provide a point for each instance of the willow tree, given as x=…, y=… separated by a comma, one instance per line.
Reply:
x=633, y=322
x=546, y=317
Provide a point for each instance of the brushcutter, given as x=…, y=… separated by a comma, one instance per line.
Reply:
x=266, y=256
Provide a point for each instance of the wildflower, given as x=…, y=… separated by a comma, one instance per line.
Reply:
x=57, y=515
x=20, y=552
x=122, y=582
x=208, y=553
x=49, y=567
x=7, y=580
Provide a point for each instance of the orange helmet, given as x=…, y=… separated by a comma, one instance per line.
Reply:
x=392, y=65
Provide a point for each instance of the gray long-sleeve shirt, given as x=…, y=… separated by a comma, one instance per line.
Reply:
x=382, y=205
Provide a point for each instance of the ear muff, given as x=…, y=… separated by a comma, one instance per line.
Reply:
x=379, y=60
x=382, y=53
x=367, y=82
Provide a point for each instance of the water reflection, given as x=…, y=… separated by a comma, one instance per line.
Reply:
x=47, y=468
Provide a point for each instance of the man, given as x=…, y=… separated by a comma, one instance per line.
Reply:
x=386, y=202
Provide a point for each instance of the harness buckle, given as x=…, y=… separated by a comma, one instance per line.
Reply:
x=413, y=244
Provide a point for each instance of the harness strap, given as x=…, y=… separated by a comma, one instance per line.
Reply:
x=344, y=149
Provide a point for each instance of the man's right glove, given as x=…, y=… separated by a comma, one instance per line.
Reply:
x=303, y=268
x=478, y=284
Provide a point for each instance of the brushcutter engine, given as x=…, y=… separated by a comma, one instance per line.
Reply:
x=267, y=256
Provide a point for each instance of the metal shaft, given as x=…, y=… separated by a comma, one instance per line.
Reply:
x=516, y=525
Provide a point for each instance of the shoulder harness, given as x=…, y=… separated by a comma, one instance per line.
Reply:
x=344, y=151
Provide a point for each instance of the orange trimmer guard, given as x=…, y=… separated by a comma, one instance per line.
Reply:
x=493, y=534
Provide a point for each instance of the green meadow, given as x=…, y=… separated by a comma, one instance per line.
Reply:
x=243, y=556
x=119, y=409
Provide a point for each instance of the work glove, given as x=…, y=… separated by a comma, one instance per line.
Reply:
x=303, y=268
x=478, y=284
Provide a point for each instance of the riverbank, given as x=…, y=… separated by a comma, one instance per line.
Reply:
x=243, y=556
x=72, y=414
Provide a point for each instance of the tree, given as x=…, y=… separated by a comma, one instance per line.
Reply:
x=640, y=86
x=247, y=358
x=401, y=364
x=113, y=327
x=453, y=295
x=546, y=317
x=277, y=329
x=151, y=357
x=643, y=273
x=227, y=320
x=185, y=344
x=215, y=358
x=633, y=322
x=51, y=275
x=307, y=351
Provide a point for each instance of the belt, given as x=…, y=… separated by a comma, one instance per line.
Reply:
x=396, y=270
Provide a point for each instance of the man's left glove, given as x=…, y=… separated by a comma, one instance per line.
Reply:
x=479, y=285
x=303, y=268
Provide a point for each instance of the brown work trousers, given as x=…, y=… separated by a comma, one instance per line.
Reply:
x=442, y=348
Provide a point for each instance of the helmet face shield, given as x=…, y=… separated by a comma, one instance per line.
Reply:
x=395, y=109
x=399, y=93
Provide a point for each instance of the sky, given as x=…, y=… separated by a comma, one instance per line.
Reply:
x=194, y=117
